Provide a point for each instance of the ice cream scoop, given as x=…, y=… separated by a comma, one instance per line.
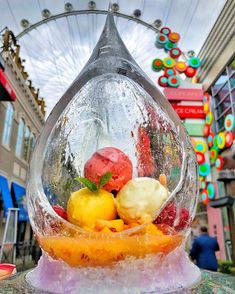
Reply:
x=139, y=199
x=85, y=207
x=109, y=159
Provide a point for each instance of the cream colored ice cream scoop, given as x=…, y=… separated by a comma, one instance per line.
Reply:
x=139, y=199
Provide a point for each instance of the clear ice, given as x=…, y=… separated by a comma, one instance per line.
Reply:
x=109, y=104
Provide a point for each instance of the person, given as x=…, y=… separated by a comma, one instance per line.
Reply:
x=203, y=251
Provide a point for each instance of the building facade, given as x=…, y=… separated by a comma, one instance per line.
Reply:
x=217, y=74
x=21, y=120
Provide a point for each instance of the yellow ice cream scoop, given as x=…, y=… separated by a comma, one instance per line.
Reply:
x=85, y=207
x=139, y=199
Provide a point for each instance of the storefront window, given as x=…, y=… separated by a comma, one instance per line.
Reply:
x=7, y=125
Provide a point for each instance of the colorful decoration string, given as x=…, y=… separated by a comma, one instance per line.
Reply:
x=216, y=143
x=168, y=40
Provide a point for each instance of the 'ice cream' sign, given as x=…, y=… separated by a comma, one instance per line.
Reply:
x=189, y=111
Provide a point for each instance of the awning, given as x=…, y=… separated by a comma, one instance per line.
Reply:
x=6, y=91
x=6, y=195
x=18, y=192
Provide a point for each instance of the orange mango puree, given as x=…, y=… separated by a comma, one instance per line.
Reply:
x=102, y=249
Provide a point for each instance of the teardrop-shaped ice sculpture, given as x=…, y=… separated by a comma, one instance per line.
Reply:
x=113, y=119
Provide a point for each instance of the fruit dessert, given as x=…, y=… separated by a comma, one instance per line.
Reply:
x=118, y=213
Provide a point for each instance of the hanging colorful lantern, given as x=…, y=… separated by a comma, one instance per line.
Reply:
x=204, y=169
x=168, y=62
x=206, y=130
x=206, y=97
x=161, y=40
x=200, y=157
x=163, y=81
x=215, y=141
x=203, y=185
x=229, y=122
x=221, y=140
x=157, y=64
x=174, y=81
x=209, y=118
x=219, y=162
x=210, y=139
x=206, y=107
x=213, y=154
x=169, y=45
x=174, y=37
x=175, y=53
x=205, y=198
x=190, y=72
x=211, y=191
x=180, y=66
x=201, y=147
x=194, y=62
x=165, y=31
x=169, y=72
x=229, y=137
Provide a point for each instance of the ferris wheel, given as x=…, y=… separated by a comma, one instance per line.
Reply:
x=57, y=47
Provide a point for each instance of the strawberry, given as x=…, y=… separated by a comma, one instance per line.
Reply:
x=183, y=219
x=60, y=211
x=167, y=216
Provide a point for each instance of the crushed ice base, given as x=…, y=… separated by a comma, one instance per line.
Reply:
x=152, y=274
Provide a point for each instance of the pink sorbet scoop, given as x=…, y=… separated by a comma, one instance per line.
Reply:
x=109, y=159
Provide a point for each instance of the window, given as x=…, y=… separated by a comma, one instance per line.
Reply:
x=220, y=82
x=7, y=125
x=32, y=142
x=20, y=136
x=223, y=92
x=221, y=118
x=233, y=95
x=225, y=104
x=232, y=81
x=26, y=145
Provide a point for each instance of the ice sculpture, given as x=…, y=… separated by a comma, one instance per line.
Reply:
x=115, y=133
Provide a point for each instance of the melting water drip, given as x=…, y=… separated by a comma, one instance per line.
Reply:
x=112, y=104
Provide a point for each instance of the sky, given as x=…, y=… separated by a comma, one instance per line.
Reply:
x=56, y=51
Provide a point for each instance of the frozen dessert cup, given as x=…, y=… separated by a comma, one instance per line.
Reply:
x=113, y=183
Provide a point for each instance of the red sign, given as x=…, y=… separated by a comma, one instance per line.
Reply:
x=9, y=93
x=189, y=111
x=181, y=94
